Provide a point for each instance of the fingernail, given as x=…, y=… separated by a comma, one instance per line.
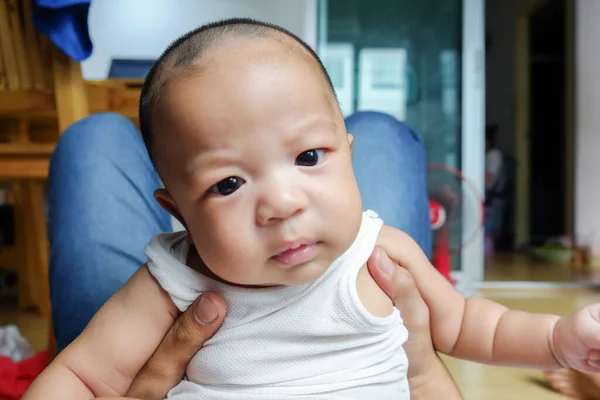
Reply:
x=206, y=311
x=385, y=264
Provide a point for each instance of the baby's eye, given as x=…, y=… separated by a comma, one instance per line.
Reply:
x=310, y=158
x=227, y=186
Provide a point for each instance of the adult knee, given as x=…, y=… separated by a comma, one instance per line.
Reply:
x=375, y=126
x=103, y=133
x=90, y=157
x=390, y=163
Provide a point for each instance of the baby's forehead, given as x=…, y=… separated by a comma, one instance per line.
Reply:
x=244, y=59
x=257, y=51
x=254, y=82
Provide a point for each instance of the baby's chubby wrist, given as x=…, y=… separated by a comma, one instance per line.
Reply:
x=562, y=330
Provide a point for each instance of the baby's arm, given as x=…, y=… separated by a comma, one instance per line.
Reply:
x=121, y=337
x=475, y=328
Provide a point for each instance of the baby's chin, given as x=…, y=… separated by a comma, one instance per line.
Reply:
x=305, y=274
x=274, y=275
x=295, y=276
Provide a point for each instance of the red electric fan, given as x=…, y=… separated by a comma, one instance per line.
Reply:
x=456, y=211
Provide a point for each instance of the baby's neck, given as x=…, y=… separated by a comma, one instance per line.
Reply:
x=195, y=262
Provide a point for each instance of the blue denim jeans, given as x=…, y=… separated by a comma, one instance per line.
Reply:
x=102, y=212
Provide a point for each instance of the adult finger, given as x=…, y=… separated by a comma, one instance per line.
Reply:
x=166, y=368
x=400, y=287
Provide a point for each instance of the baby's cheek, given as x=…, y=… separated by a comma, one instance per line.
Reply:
x=232, y=251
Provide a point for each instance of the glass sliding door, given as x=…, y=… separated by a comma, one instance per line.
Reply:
x=404, y=58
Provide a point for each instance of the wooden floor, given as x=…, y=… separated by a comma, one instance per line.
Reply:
x=495, y=383
x=477, y=382
x=509, y=267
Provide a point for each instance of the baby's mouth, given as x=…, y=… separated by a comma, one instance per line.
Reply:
x=298, y=252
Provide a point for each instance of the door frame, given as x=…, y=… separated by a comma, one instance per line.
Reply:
x=472, y=134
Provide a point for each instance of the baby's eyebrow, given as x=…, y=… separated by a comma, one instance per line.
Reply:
x=205, y=160
x=317, y=126
x=334, y=128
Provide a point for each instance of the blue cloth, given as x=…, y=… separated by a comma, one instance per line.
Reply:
x=65, y=23
x=102, y=212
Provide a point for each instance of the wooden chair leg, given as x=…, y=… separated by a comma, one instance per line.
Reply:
x=32, y=245
x=39, y=244
x=26, y=293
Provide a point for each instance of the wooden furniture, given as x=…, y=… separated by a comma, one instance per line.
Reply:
x=41, y=93
x=27, y=138
x=121, y=96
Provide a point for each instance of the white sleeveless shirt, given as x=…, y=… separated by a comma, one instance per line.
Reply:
x=315, y=341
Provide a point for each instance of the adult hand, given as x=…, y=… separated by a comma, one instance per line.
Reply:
x=427, y=374
x=166, y=368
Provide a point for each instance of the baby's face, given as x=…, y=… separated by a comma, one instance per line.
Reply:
x=257, y=162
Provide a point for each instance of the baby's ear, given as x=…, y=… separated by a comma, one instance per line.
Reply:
x=163, y=197
x=351, y=140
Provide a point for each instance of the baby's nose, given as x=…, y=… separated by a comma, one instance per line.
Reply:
x=281, y=203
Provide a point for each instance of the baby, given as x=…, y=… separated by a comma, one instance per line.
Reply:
x=241, y=121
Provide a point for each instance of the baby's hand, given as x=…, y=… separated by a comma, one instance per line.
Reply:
x=577, y=340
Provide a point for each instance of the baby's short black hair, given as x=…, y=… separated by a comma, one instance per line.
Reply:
x=186, y=50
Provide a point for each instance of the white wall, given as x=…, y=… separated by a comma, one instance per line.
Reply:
x=587, y=121
x=142, y=29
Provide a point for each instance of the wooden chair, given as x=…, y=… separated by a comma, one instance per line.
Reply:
x=42, y=92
